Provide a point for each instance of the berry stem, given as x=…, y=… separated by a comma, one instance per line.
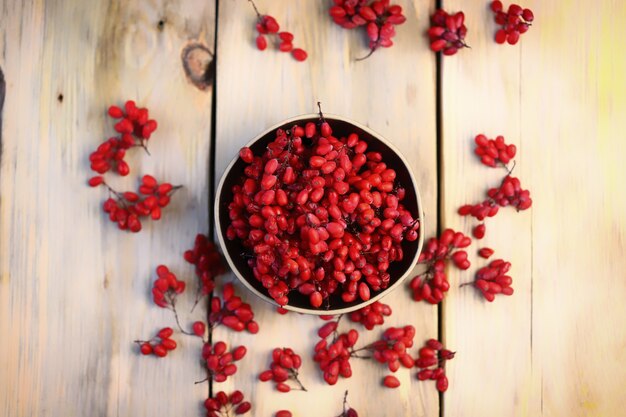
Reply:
x=183, y=331
x=255, y=9
x=319, y=106
x=368, y=55
x=294, y=374
x=204, y=380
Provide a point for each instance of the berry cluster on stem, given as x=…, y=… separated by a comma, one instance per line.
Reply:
x=127, y=209
x=284, y=367
x=514, y=22
x=222, y=405
x=432, y=284
x=447, y=32
x=268, y=27
x=379, y=18
x=432, y=363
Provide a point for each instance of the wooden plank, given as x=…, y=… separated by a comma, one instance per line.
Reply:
x=556, y=346
x=74, y=291
x=393, y=92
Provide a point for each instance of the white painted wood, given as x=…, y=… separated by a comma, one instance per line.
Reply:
x=74, y=291
x=556, y=346
x=393, y=93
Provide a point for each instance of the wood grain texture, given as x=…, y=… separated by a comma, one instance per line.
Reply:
x=393, y=92
x=556, y=347
x=75, y=291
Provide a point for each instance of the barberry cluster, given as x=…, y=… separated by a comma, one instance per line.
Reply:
x=128, y=208
x=514, y=22
x=208, y=262
x=220, y=361
x=166, y=287
x=221, y=404
x=159, y=345
x=267, y=26
x=492, y=280
x=320, y=218
x=333, y=357
x=510, y=193
x=432, y=284
x=371, y=315
x=447, y=32
x=232, y=312
x=432, y=363
x=391, y=349
x=378, y=17
x=284, y=367
x=494, y=151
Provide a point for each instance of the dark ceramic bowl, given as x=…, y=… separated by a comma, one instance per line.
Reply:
x=233, y=249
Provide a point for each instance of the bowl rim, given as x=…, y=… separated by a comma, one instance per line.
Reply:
x=319, y=312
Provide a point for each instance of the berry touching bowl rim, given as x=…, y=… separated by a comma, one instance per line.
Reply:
x=220, y=213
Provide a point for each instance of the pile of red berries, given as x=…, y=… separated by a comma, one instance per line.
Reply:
x=447, y=32
x=220, y=361
x=232, y=312
x=320, y=215
x=494, y=151
x=432, y=284
x=392, y=350
x=284, y=367
x=221, y=404
x=432, y=361
x=166, y=287
x=514, y=22
x=159, y=345
x=208, y=262
x=492, y=280
x=371, y=315
x=267, y=26
x=378, y=17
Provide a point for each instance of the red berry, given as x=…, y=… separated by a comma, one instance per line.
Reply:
x=96, y=181
x=146, y=348
x=299, y=54
x=261, y=42
x=199, y=328
x=391, y=381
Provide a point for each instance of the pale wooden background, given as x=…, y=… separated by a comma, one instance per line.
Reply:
x=74, y=292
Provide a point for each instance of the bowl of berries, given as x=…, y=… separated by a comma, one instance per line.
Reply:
x=320, y=215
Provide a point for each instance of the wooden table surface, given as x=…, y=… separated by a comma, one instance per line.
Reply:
x=74, y=291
